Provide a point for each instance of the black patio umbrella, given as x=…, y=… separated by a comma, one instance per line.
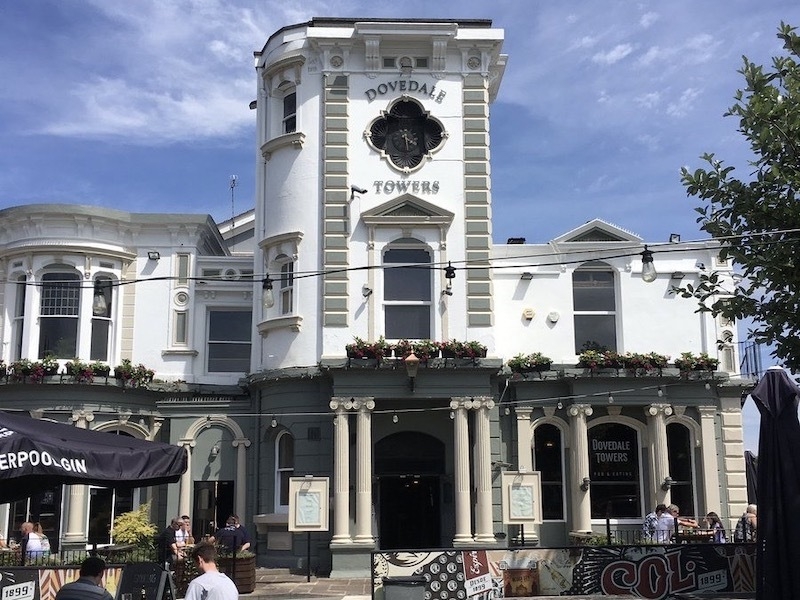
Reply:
x=751, y=471
x=778, y=531
x=36, y=455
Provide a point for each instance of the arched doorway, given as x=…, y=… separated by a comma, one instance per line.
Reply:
x=409, y=466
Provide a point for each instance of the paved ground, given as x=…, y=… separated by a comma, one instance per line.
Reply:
x=277, y=584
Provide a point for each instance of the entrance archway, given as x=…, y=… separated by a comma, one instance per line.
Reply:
x=409, y=466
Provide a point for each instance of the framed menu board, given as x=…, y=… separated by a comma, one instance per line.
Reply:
x=522, y=498
x=308, y=503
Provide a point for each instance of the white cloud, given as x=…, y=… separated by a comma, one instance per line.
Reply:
x=586, y=41
x=648, y=19
x=648, y=100
x=683, y=104
x=616, y=54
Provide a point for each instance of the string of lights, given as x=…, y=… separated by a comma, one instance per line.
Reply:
x=562, y=257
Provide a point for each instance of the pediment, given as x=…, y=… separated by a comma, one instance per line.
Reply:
x=407, y=210
x=597, y=231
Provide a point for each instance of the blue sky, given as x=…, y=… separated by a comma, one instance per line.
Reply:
x=142, y=105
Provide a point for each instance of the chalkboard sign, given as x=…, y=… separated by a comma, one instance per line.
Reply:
x=145, y=581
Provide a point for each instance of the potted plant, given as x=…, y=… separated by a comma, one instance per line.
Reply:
x=49, y=365
x=141, y=376
x=123, y=372
x=362, y=349
x=657, y=361
x=426, y=349
x=241, y=568
x=525, y=363
x=100, y=369
x=20, y=369
x=403, y=348
x=701, y=362
x=473, y=349
x=599, y=359
x=79, y=371
x=451, y=348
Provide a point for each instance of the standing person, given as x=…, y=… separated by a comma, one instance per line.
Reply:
x=716, y=526
x=31, y=544
x=746, y=526
x=89, y=586
x=211, y=585
x=167, y=544
x=650, y=524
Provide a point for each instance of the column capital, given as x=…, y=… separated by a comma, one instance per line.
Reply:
x=575, y=410
x=363, y=404
x=658, y=408
x=523, y=413
x=82, y=415
x=187, y=443
x=240, y=442
x=707, y=411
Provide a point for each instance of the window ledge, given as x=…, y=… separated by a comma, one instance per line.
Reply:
x=295, y=139
x=291, y=322
x=179, y=352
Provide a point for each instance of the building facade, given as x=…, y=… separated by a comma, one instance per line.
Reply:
x=372, y=220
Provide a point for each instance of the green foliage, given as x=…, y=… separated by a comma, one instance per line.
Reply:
x=529, y=362
x=134, y=527
x=756, y=218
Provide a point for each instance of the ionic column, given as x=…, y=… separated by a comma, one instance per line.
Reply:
x=579, y=459
x=708, y=450
x=483, y=472
x=185, y=493
x=365, y=407
x=524, y=439
x=461, y=471
x=240, y=499
x=659, y=457
x=341, y=473
x=76, y=515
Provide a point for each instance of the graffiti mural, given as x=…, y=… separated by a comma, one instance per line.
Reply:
x=653, y=572
x=28, y=583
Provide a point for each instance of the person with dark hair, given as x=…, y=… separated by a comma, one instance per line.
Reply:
x=229, y=538
x=89, y=585
x=167, y=546
x=211, y=584
x=650, y=524
x=714, y=523
x=246, y=539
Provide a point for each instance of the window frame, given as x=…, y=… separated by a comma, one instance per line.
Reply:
x=212, y=310
x=596, y=267
x=386, y=303
x=562, y=468
x=67, y=291
x=289, y=113
x=283, y=473
x=597, y=483
x=105, y=283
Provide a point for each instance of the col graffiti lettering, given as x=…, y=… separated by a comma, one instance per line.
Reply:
x=656, y=576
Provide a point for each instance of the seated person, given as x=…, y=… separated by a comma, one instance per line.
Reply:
x=230, y=538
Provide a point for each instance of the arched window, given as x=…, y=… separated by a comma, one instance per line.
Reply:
x=595, y=307
x=284, y=469
x=679, y=451
x=101, y=317
x=18, y=322
x=59, y=314
x=407, y=290
x=289, y=110
x=547, y=459
x=614, y=471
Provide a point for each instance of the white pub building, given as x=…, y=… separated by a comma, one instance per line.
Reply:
x=373, y=220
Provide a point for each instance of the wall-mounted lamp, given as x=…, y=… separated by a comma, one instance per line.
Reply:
x=677, y=275
x=153, y=255
x=667, y=483
x=412, y=366
x=366, y=291
x=449, y=271
x=526, y=276
x=214, y=453
x=500, y=464
x=267, y=297
x=674, y=238
x=354, y=189
x=648, y=268
x=585, y=484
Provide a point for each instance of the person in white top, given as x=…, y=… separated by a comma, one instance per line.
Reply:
x=31, y=543
x=211, y=585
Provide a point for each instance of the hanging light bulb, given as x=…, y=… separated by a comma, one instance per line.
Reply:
x=395, y=418
x=660, y=392
x=452, y=415
x=708, y=386
x=648, y=268
x=559, y=406
x=274, y=422
x=610, y=398
x=99, y=304
x=507, y=411
x=267, y=297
